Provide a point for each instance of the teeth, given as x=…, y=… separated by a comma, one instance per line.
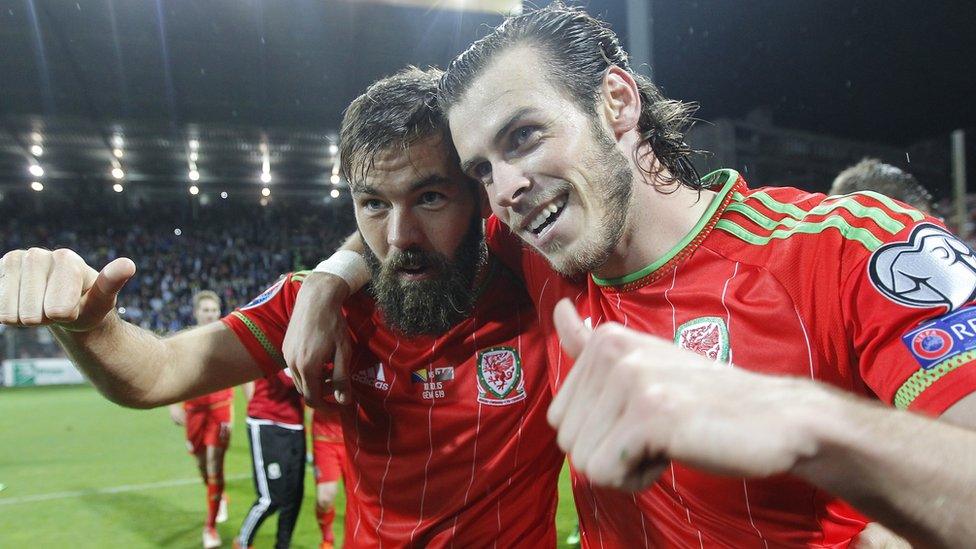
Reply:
x=546, y=212
x=540, y=219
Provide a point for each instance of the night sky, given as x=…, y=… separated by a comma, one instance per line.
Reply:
x=894, y=72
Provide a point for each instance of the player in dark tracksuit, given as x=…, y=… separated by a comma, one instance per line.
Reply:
x=276, y=432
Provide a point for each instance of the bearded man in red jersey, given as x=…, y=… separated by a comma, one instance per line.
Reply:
x=447, y=439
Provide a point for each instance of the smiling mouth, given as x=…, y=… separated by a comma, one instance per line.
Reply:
x=547, y=216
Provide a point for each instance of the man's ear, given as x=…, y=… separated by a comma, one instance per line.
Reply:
x=621, y=102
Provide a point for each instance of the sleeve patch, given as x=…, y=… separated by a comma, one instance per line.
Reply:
x=266, y=295
x=943, y=338
x=932, y=269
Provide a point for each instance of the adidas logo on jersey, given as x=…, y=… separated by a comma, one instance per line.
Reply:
x=373, y=376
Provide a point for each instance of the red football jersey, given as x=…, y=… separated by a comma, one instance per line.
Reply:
x=206, y=401
x=845, y=290
x=276, y=399
x=447, y=440
x=327, y=424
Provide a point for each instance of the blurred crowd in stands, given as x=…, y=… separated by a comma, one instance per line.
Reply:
x=236, y=250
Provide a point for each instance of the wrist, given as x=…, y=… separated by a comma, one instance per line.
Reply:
x=835, y=426
x=107, y=324
x=329, y=286
x=348, y=266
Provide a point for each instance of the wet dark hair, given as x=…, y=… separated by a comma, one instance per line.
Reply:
x=871, y=174
x=395, y=112
x=579, y=50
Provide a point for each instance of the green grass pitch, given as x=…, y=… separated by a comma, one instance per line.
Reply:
x=80, y=471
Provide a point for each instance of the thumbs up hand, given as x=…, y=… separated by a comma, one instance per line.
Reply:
x=632, y=402
x=42, y=288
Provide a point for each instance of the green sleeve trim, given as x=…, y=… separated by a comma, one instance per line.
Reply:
x=879, y=216
x=848, y=231
x=923, y=379
x=914, y=214
x=725, y=178
x=299, y=276
x=260, y=336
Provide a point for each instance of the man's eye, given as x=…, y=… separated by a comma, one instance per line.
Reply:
x=431, y=198
x=523, y=136
x=372, y=204
x=482, y=172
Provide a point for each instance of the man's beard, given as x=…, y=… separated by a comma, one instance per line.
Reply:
x=434, y=305
x=614, y=193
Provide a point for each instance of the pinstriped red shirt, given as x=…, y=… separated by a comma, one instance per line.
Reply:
x=447, y=441
x=780, y=281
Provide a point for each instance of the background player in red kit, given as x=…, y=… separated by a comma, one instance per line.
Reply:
x=585, y=162
x=208, y=421
x=329, y=457
x=276, y=433
x=445, y=435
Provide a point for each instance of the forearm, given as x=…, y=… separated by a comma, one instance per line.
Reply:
x=913, y=474
x=123, y=361
x=135, y=368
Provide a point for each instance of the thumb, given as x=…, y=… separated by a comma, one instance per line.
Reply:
x=573, y=334
x=109, y=282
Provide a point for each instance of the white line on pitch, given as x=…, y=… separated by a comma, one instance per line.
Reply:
x=112, y=490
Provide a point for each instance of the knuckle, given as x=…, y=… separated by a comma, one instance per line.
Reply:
x=37, y=253
x=12, y=256
x=63, y=254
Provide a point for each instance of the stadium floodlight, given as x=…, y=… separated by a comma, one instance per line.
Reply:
x=117, y=141
x=265, y=177
x=223, y=194
x=265, y=192
x=117, y=188
x=36, y=170
x=117, y=152
x=334, y=193
x=194, y=175
x=37, y=150
x=335, y=179
x=194, y=190
x=194, y=156
x=117, y=173
x=37, y=186
x=333, y=148
x=194, y=144
x=177, y=231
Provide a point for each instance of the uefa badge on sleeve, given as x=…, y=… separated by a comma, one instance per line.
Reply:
x=500, y=379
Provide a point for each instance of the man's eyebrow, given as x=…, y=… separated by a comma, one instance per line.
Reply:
x=428, y=181
x=362, y=188
x=499, y=135
x=419, y=184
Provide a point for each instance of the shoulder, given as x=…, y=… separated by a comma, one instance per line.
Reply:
x=790, y=220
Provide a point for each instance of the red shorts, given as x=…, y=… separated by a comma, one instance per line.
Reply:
x=329, y=457
x=209, y=426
